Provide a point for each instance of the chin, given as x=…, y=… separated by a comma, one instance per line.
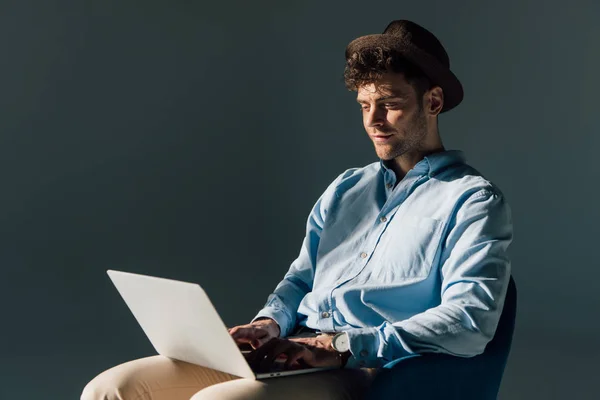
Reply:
x=384, y=154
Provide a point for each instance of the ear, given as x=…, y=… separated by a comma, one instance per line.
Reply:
x=434, y=101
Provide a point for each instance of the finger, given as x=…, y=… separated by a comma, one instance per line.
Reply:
x=243, y=340
x=283, y=347
x=242, y=332
x=245, y=347
x=260, y=341
x=248, y=335
x=316, y=342
x=304, y=341
x=321, y=341
x=293, y=360
x=255, y=357
x=266, y=355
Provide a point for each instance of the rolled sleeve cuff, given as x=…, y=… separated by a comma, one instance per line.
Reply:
x=371, y=348
x=364, y=345
x=279, y=316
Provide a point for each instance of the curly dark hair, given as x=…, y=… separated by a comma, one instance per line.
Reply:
x=368, y=66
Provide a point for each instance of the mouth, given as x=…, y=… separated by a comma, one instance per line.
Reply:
x=381, y=138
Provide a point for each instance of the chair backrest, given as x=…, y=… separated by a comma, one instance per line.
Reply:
x=502, y=340
x=460, y=378
x=495, y=355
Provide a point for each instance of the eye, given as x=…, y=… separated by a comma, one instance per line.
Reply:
x=391, y=105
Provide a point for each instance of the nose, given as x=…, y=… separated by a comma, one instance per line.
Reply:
x=375, y=117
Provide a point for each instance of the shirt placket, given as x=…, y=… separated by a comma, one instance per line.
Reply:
x=403, y=190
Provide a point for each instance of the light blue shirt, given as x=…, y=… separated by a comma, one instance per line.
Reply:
x=404, y=269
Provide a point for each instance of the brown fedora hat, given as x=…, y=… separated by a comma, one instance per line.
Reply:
x=421, y=48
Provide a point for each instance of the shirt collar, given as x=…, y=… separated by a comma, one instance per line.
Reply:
x=434, y=163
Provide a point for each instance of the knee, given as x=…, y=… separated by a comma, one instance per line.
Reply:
x=98, y=389
x=209, y=393
x=238, y=389
x=110, y=385
x=201, y=395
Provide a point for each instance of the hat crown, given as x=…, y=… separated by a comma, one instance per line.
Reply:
x=407, y=42
x=413, y=34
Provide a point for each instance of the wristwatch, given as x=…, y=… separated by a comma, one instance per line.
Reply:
x=340, y=342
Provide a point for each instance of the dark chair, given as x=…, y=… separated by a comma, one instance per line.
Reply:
x=441, y=376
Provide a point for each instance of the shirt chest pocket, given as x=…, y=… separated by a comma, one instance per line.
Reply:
x=408, y=247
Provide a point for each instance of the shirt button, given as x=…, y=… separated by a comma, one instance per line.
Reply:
x=389, y=185
x=363, y=255
x=364, y=353
x=383, y=219
x=325, y=314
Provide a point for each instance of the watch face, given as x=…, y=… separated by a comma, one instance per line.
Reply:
x=340, y=342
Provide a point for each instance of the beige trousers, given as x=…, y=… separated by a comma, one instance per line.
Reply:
x=161, y=378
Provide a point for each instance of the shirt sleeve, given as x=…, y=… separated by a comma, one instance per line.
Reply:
x=475, y=271
x=283, y=303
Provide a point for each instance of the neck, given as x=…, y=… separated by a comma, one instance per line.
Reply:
x=407, y=161
x=430, y=144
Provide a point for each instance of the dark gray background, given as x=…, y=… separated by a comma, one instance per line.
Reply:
x=190, y=141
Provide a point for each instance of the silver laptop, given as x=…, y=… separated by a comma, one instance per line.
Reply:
x=182, y=324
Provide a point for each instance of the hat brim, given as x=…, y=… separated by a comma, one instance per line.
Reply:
x=437, y=73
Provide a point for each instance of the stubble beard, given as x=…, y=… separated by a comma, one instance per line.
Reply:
x=413, y=136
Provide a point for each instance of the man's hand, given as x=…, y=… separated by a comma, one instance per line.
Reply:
x=322, y=341
x=256, y=333
x=298, y=352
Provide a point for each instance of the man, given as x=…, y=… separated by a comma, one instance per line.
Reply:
x=406, y=256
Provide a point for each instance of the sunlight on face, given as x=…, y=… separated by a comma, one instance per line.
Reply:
x=392, y=116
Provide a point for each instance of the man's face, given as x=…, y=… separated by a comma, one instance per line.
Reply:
x=392, y=115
